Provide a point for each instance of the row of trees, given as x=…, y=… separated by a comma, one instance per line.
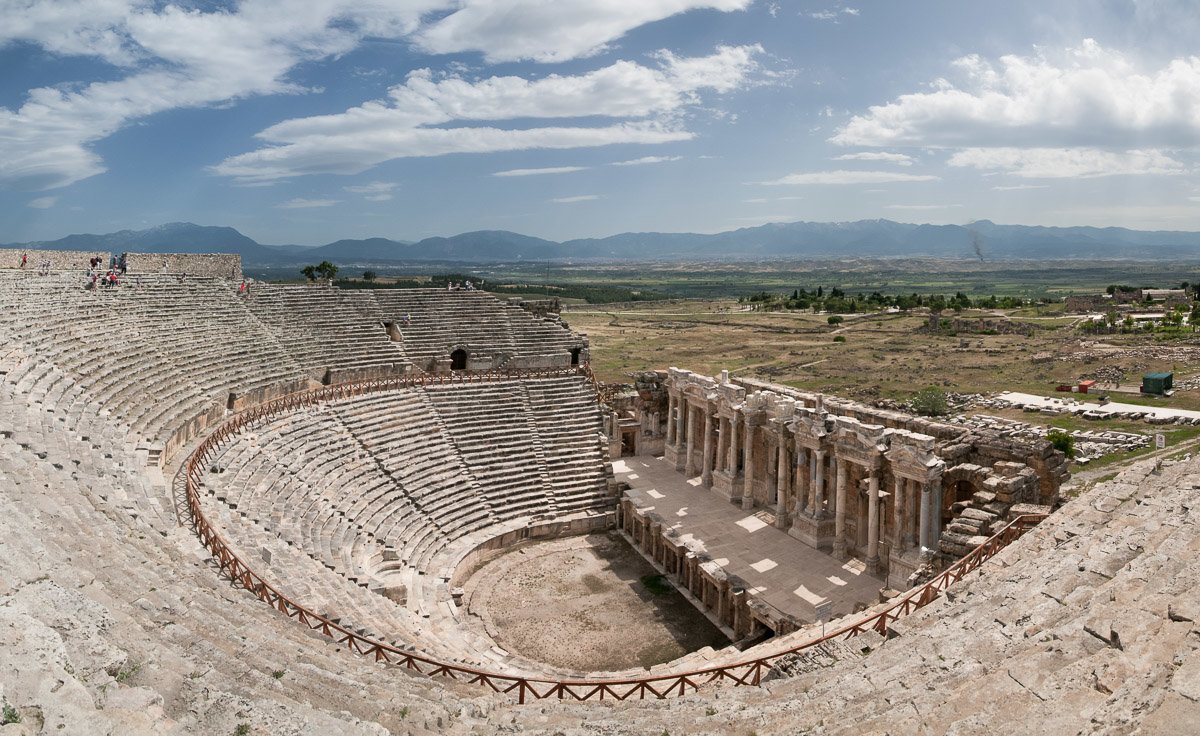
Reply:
x=1173, y=319
x=592, y=294
x=838, y=302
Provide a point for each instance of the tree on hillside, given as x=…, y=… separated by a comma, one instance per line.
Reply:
x=323, y=270
x=369, y=275
x=1062, y=442
x=930, y=402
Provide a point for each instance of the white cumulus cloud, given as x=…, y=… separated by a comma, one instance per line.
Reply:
x=647, y=160
x=376, y=191
x=833, y=14
x=513, y=30
x=43, y=203
x=647, y=98
x=1066, y=163
x=165, y=56
x=843, y=176
x=301, y=204
x=1086, y=97
x=177, y=58
x=577, y=198
x=537, y=172
x=891, y=158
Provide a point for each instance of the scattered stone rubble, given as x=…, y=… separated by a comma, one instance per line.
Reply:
x=1089, y=444
x=1179, y=355
x=1082, y=409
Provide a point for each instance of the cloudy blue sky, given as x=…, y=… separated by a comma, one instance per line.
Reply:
x=305, y=121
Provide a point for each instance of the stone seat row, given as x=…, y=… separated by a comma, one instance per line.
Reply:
x=441, y=500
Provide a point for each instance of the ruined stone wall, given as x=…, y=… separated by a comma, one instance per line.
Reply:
x=649, y=406
x=538, y=307
x=956, y=444
x=222, y=265
x=727, y=600
x=1090, y=303
x=60, y=260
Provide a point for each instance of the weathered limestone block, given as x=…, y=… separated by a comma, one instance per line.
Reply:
x=1020, y=509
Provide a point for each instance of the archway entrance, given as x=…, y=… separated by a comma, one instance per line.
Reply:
x=952, y=493
x=458, y=360
x=574, y=356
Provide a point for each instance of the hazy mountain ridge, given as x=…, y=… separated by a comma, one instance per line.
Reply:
x=797, y=240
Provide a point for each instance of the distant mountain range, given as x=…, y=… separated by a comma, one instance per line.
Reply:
x=796, y=240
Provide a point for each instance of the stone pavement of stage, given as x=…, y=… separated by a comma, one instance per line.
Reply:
x=779, y=569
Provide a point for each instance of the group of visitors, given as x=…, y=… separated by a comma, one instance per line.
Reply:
x=460, y=286
x=111, y=278
x=43, y=266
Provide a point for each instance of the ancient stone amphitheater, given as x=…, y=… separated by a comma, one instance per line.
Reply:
x=248, y=513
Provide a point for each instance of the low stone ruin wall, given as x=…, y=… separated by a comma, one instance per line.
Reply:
x=958, y=444
x=222, y=265
x=463, y=565
x=60, y=260
x=725, y=598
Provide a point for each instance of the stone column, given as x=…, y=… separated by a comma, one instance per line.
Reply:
x=935, y=528
x=689, y=464
x=706, y=474
x=911, y=502
x=926, y=515
x=800, y=479
x=748, y=466
x=818, y=494
x=839, y=519
x=873, y=521
x=782, y=486
x=721, y=461
x=681, y=428
x=898, y=513
x=672, y=407
x=770, y=474
x=734, y=446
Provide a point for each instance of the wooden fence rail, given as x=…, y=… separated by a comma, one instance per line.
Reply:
x=746, y=672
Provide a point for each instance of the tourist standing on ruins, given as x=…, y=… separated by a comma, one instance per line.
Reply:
x=24, y=259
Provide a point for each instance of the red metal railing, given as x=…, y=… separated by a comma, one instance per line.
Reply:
x=746, y=672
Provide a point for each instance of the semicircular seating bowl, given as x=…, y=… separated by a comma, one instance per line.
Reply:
x=100, y=388
x=399, y=488
x=381, y=496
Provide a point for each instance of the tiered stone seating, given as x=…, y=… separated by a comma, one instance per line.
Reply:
x=403, y=433
x=325, y=327
x=126, y=349
x=573, y=442
x=335, y=503
x=388, y=489
x=533, y=335
x=116, y=625
x=442, y=320
x=490, y=426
